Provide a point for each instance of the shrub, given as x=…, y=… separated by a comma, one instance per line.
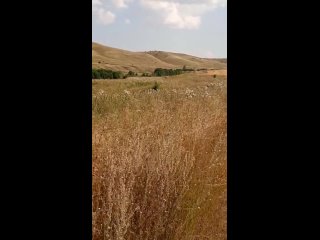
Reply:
x=130, y=74
x=156, y=86
x=145, y=75
x=106, y=74
x=166, y=72
x=117, y=75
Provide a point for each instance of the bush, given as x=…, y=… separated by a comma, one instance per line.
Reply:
x=117, y=75
x=166, y=72
x=130, y=74
x=145, y=75
x=156, y=86
x=106, y=74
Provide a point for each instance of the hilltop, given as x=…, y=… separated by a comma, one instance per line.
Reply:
x=122, y=60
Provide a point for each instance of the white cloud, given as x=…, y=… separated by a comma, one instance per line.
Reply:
x=182, y=14
x=127, y=21
x=121, y=3
x=96, y=2
x=103, y=10
x=105, y=17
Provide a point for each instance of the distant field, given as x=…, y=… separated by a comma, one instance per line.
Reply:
x=122, y=60
x=222, y=72
x=159, y=158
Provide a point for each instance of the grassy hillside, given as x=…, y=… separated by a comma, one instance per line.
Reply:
x=122, y=60
x=179, y=59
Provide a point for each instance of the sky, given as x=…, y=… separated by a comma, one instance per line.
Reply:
x=195, y=27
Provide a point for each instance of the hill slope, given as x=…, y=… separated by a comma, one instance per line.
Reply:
x=122, y=60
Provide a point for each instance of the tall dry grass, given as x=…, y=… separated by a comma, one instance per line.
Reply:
x=159, y=159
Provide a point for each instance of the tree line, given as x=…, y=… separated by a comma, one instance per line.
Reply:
x=158, y=72
x=106, y=74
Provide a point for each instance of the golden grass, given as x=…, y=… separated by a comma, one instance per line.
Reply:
x=159, y=158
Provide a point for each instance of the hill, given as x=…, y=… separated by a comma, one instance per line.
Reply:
x=122, y=60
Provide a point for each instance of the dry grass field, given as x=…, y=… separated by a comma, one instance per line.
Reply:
x=159, y=158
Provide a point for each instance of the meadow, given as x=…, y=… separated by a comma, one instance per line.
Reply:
x=159, y=158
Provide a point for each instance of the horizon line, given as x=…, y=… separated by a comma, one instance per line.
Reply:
x=158, y=51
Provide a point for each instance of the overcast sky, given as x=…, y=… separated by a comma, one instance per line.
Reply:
x=196, y=27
